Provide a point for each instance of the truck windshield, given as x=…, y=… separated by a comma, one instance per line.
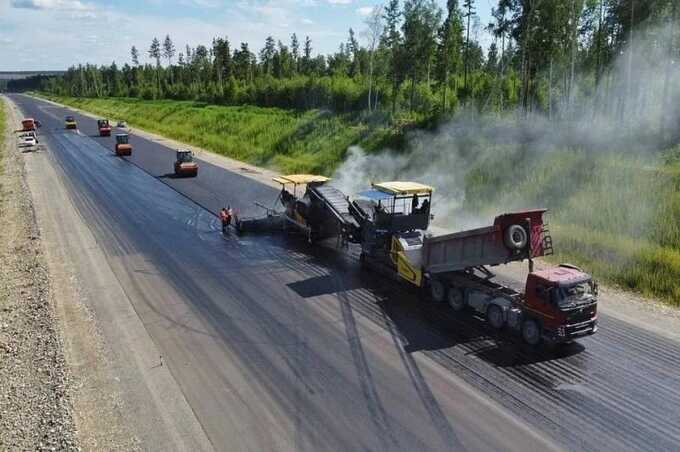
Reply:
x=575, y=294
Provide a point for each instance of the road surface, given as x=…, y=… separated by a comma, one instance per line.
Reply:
x=280, y=346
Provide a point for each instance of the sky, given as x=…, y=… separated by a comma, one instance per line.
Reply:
x=55, y=34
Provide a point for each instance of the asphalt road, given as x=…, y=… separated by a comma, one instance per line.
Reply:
x=277, y=345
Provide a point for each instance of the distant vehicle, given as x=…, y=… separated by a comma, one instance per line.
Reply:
x=185, y=165
x=123, y=146
x=121, y=125
x=104, y=127
x=70, y=123
x=28, y=124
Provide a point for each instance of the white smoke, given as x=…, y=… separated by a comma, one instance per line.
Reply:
x=621, y=117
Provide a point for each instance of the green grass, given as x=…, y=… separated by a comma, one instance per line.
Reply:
x=616, y=214
x=613, y=213
x=286, y=140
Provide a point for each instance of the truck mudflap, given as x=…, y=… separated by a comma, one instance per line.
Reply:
x=569, y=333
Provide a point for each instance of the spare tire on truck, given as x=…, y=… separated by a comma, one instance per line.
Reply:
x=516, y=237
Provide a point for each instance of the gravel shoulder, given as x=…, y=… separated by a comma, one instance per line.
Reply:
x=35, y=386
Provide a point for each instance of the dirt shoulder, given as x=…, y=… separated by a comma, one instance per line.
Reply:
x=35, y=399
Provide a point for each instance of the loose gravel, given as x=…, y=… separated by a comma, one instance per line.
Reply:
x=35, y=410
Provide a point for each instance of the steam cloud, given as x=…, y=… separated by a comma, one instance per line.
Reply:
x=599, y=158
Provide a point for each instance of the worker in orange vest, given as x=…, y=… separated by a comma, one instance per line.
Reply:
x=225, y=217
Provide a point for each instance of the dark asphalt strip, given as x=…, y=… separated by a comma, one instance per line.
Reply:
x=280, y=341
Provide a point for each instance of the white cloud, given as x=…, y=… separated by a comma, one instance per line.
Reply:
x=201, y=3
x=365, y=11
x=339, y=2
x=62, y=5
x=67, y=32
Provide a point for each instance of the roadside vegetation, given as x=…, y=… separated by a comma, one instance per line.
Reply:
x=613, y=214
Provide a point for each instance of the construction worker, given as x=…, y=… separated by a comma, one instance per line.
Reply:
x=414, y=204
x=225, y=217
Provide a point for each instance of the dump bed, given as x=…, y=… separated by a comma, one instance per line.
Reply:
x=512, y=237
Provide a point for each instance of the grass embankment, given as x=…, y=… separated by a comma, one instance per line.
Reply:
x=287, y=140
x=613, y=213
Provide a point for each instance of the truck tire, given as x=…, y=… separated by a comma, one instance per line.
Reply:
x=516, y=237
x=456, y=299
x=494, y=317
x=531, y=332
x=437, y=290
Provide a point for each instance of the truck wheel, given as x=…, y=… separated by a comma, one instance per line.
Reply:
x=516, y=237
x=437, y=290
x=494, y=317
x=456, y=299
x=531, y=332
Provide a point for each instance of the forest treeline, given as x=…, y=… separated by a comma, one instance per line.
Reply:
x=413, y=56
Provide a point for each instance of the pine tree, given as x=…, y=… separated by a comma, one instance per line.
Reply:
x=375, y=26
x=134, y=54
x=392, y=41
x=168, y=49
x=468, y=6
x=155, y=51
x=307, y=56
x=449, y=51
x=267, y=55
x=295, y=52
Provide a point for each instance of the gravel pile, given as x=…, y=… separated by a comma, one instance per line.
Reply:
x=35, y=412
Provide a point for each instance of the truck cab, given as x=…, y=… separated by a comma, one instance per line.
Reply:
x=28, y=124
x=562, y=301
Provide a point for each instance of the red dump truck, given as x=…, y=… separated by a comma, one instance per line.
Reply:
x=28, y=125
x=390, y=223
x=557, y=305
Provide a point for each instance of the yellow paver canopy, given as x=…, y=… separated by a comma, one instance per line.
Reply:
x=299, y=179
x=403, y=188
